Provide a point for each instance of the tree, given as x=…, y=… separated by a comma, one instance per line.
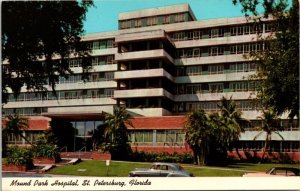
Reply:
x=16, y=124
x=197, y=134
x=279, y=62
x=116, y=133
x=210, y=136
x=33, y=34
x=231, y=118
x=270, y=125
x=227, y=128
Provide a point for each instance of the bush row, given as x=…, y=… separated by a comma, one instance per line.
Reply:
x=161, y=157
x=23, y=156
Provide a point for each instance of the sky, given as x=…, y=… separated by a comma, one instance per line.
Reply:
x=103, y=16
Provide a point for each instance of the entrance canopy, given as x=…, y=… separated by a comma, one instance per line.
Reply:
x=75, y=116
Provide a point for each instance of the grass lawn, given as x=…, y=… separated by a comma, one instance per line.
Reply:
x=98, y=168
x=121, y=169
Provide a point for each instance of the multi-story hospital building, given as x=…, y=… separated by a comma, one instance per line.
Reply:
x=161, y=64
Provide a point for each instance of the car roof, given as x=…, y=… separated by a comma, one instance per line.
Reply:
x=287, y=168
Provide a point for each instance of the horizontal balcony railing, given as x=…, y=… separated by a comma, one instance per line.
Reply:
x=143, y=55
x=99, y=68
x=80, y=85
x=240, y=76
x=101, y=52
x=140, y=93
x=219, y=41
x=287, y=136
x=210, y=60
x=79, y=110
x=150, y=73
x=214, y=96
x=148, y=112
x=141, y=35
x=62, y=102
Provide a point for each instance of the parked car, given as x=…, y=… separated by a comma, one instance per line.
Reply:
x=161, y=169
x=276, y=171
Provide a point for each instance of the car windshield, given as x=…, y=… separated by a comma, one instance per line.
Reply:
x=155, y=167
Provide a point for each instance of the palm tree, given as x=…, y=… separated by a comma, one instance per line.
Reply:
x=197, y=134
x=116, y=133
x=16, y=124
x=231, y=116
x=229, y=124
x=270, y=124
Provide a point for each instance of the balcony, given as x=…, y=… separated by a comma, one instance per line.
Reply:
x=143, y=55
x=148, y=112
x=80, y=85
x=219, y=41
x=214, y=96
x=151, y=73
x=62, y=102
x=287, y=136
x=142, y=35
x=101, y=52
x=78, y=112
x=214, y=77
x=140, y=93
x=210, y=60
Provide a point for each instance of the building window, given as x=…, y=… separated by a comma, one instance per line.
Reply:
x=12, y=138
x=179, y=18
x=239, y=49
x=196, y=52
x=151, y=21
x=137, y=23
x=193, y=88
x=214, y=33
x=142, y=136
x=180, y=89
x=189, y=35
x=213, y=51
x=33, y=136
x=246, y=29
x=25, y=111
x=269, y=27
x=245, y=105
x=166, y=19
x=233, y=49
x=208, y=106
x=233, y=31
x=216, y=88
x=196, y=35
x=216, y=69
x=125, y=24
x=74, y=63
x=240, y=30
x=238, y=86
x=193, y=70
x=171, y=137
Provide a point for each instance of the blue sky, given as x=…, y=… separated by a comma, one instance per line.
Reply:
x=104, y=15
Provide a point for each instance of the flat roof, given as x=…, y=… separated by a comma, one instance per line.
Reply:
x=157, y=11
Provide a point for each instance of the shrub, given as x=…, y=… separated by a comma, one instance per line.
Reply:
x=47, y=151
x=161, y=157
x=19, y=156
x=44, y=149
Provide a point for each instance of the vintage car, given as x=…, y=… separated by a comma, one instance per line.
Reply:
x=161, y=169
x=276, y=171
